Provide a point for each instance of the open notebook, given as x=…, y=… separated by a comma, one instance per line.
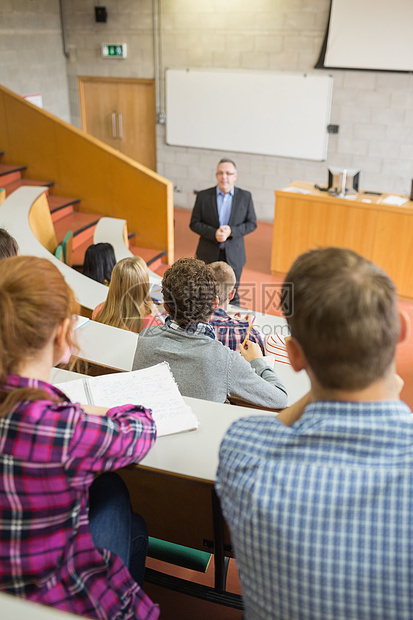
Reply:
x=153, y=388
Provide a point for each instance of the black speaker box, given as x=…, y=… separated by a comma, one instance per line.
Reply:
x=101, y=14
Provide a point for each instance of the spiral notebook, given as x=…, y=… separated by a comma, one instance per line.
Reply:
x=153, y=388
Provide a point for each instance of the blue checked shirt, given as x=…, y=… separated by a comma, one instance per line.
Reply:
x=321, y=514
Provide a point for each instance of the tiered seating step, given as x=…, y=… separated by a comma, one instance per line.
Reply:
x=66, y=219
x=10, y=187
x=81, y=224
x=10, y=178
x=10, y=174
x=153, y=258
x=60, y=206
x=79, y=253
x=160, y=270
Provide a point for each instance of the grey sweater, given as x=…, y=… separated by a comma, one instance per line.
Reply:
x=205, y=368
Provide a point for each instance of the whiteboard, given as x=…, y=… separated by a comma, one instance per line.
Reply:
x=283, y=114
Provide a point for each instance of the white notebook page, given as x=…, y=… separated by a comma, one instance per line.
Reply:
x=153, y=388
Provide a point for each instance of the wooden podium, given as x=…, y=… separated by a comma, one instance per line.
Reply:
x=383, y=233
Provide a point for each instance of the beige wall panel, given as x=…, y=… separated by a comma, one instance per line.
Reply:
x=85, y=170
x=147, y=207
x=32, y=140
x=4, y=134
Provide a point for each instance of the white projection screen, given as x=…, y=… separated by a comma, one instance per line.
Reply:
x=284, y=114
x=370, y=34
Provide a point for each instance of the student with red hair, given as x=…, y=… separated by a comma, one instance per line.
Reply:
x=67, y=539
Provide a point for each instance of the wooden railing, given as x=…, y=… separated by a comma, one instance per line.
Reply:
x=107, y=182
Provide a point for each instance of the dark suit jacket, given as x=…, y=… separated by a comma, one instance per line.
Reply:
x=205, y=221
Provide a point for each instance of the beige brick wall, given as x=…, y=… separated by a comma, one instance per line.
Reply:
x=31, y=52
x=373, y=109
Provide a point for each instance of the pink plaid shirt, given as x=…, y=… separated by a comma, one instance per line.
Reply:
x=49, y=455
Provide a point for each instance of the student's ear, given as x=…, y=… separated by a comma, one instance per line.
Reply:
x=404, y=326
x=295, y=354
x=62, y=333
x=166, y=309
x=61, y=348
x=216, y=302
x=231, y=295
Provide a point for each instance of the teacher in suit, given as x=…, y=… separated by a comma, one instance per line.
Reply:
x=222, y=215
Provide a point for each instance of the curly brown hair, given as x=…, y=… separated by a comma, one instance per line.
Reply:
x=189, y=291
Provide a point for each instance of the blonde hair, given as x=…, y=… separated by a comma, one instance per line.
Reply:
x=226, y=280
x=128, y=300
x=34, y=300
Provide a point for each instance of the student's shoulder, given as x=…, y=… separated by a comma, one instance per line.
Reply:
x=152, y=330
x=257, y=436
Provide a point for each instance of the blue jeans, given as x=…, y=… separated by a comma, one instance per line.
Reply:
x=114, y=526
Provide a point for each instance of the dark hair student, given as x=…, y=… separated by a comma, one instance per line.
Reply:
x=99, y=262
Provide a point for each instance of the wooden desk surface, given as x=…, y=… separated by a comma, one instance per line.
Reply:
x=103, y=344
x=171, y=487
x=362, y=199
x=195, y=454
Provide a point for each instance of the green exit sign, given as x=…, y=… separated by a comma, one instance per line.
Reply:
x=116, y=50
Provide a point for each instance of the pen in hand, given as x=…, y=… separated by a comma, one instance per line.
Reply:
x=248, y=332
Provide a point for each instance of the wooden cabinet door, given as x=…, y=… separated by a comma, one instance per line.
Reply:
x=121, y=113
